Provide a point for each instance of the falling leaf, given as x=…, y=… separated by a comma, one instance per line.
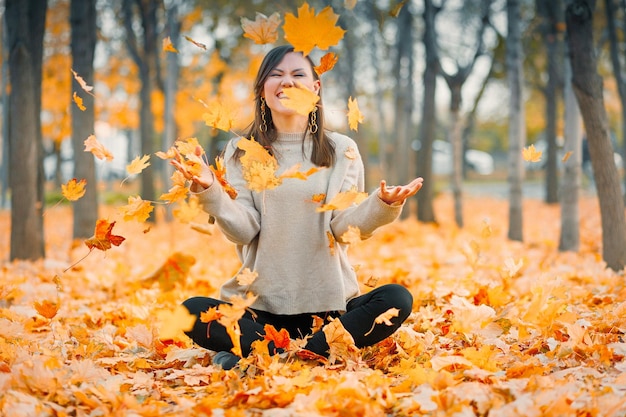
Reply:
x=137, y=209
x=220, y=175
x=512, y=267
x=318, y=198
x=74, y=190
x=246, y=277
x=138, y=164
x=79, y=101
x=352, y=236
x=174, y=194
x=339, y=340
x=530, y=154
x=103, y=238
x=168, y=46
x=82, y=82
x=343, y=200
x=174, y=323
x=300, y=99
x=97, y=149
x=220, y=116
x=47, y=308
x=187, y=210
x=331, y=242
x=198, y=44
x=567, y=155
x=384, y=318
x=395, y=10
x=230, y=315
x=349, y=4
x=327, y=63
x=210, y=315
x=280, y=338
x=263, y=29
x=174, y=270
x=354, y=114
x=307, y=31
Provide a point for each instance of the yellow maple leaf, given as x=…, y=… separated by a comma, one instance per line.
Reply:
x=331, y=242
x=174, y=323
x=79, y=101
x=246, y=277
x=354, y=114
x=74, y=190
x=220, y=116
x=530, y=154
x=138, y=164
x=307, y=31
x=97, y=149
x=136, y=209
x=343, y=200
x=174, y=194
x=263, y=29
x=220, y=175
x=384, y=318
x=300, y=99
x=168, y=46
x=353, y=235
x=210, y=315
x=340, y=341
x=258, y=166
x=294, y=172
x=327, y=62
x=230, y=315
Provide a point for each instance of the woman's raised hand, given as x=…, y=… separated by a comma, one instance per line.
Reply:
x=199, y=182
x=397, y=194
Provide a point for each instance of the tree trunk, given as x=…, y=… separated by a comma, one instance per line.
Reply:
x=617, y=68
x=83, y=44
x=4, y=166
x=570, y=184
x=552, y=33
x=146, y=60
x=588, y=88
x=26, y=24
x=425, y=208
x=171, y=87
x=517, y=122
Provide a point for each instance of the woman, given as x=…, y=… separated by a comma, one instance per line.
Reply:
x=281, y=236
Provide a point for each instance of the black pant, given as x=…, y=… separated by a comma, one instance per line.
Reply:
x=358, y=320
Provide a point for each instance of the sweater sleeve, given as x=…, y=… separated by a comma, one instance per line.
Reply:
x=371, y=213
x=239, y=219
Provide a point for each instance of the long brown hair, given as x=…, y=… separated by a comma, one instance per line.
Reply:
x=323, y=153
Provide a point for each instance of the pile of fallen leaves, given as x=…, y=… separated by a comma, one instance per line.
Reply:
x=497, y=326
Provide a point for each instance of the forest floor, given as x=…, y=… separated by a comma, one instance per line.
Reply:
x=498, y=327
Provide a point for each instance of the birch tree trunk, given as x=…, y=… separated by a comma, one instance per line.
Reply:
x=517, y=122
x=588, y=87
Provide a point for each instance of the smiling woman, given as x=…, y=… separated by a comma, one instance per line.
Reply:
x=296, y=252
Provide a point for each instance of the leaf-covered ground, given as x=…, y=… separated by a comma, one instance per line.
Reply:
x=498, y=328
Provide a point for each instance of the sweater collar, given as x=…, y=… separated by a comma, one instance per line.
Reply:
x=290, y=137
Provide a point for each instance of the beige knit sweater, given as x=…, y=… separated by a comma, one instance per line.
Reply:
x=282, y=237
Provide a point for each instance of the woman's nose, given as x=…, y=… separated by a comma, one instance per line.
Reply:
x=287, y=81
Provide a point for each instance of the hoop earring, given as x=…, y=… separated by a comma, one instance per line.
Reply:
x=263, y=126
x=313, y=121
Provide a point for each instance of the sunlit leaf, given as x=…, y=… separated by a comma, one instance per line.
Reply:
x=354, y=114
x=74, y=190
x=168, y=46
x=97, y=149
x=103, y=238
x=263, y=29
x=327, y=63
x=343, y=200
x=530, y=154
x=79, y=101
x=137, y=209
x=138, y=164
x=308, y=30
x=300, y=99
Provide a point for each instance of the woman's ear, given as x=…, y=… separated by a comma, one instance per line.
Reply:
x=316, y=86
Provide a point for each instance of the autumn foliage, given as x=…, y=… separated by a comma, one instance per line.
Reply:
x=506, y=327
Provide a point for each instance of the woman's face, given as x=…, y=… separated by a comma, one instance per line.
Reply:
x=294, y=68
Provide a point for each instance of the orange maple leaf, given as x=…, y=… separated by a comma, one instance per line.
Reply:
x=300, y=99
x=246, y=277
x=168, y=46
x=47, y=308
x=174, y=194
x=263, y=29
x=174, y=270
x=343, y=200
x=97, y=149
x=138, y=164
x=103, y=239
x=354, y=114
x=530, y=154
x=384, y=318
x=327, y=62
x=173, y=323
x=79, y=101
x=74, y=190
x=339, y=340
x=137, y=209
x=307, y=31
x=220, y=175
x=280, y=338
x=231, y=313
x=210, y=315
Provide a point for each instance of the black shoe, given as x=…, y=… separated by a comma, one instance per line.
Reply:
x=226, y=360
